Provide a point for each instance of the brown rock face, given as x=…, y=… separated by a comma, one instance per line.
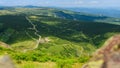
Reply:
x=108, y=56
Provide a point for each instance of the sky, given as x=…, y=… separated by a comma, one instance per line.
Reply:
x=62, y=3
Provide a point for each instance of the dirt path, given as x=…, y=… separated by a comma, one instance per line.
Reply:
x=35, y=32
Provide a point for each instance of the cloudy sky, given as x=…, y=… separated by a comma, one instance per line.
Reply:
x=62, y=3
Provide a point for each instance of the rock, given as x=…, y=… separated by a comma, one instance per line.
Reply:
x=107, y=56
x=6, y=62
x=2, y=44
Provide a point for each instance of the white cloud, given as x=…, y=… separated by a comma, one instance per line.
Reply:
x=79, y=2
x=93, y=2
x=84, y=2
x=47, y=2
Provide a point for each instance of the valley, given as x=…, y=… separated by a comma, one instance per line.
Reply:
x=48, y=35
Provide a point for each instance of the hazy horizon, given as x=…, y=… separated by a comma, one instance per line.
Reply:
x=65, y=3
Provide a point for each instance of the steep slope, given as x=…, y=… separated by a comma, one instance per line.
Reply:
x=108, y=56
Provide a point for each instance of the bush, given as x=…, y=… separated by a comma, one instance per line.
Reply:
x=83, y=59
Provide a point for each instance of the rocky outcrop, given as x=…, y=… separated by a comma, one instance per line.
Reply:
x=6, y=62
x=2, y=44
x=107, y=56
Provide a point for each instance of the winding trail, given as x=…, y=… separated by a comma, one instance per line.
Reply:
x=35, y=32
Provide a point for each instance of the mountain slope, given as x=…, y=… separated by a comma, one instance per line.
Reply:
x=75, y=31
x=61, y=36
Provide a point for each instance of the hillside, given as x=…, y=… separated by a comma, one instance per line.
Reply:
x=47, y=34
x=59, y=13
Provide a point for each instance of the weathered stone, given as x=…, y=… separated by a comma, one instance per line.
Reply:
x=107, y=56
x=6, y=62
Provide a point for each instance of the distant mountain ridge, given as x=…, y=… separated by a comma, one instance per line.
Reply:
x=60, y=13
x=112, y=12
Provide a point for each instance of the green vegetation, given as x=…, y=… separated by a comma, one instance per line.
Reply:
x=65, y=42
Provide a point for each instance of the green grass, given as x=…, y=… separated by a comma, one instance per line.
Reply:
x=37, y=65
x=28, y=44
x=47, y=65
